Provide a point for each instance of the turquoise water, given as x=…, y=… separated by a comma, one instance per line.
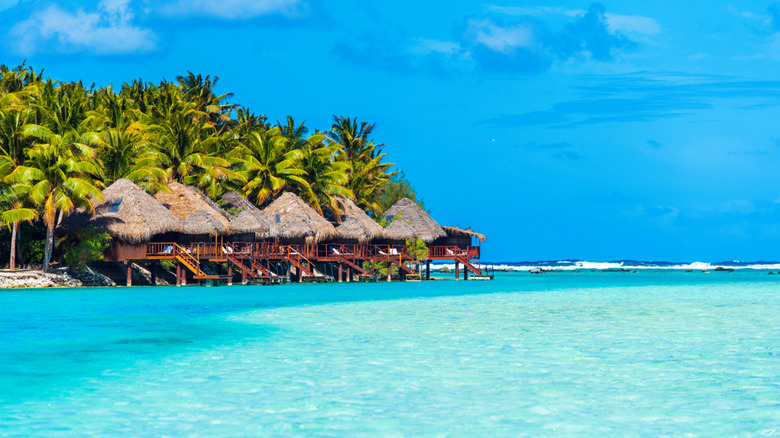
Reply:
x=584, y=354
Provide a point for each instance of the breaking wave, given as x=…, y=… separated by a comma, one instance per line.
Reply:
x=570, y=265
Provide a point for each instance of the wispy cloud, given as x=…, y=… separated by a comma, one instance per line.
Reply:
x=645, y=97
x=508, y=40
x=234, y=9
x=109, y=30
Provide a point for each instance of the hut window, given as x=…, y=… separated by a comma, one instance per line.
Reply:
x=115, y=206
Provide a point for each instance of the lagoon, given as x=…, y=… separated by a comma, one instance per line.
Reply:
x=583, y=354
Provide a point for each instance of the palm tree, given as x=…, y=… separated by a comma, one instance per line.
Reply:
x=267, y=166
x=57, y=177
x=189, y=149
x=122, y=148
x=326, y=176
x=13, y=200
x=367, y=171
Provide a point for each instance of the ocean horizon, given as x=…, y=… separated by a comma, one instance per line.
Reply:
x=577, y=264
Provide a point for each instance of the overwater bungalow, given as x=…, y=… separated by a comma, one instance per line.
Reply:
x=406, y=220
x=131, y=216
x=285, y=241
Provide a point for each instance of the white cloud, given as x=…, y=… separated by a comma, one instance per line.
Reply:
x=106, y=31
x=628, y=24
x=500, y=39
x=635, y=24
x=234, y=9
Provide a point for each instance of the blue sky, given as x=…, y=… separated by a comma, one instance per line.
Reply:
x=599, y=131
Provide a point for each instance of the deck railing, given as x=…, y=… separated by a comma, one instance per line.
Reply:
x=276, y=251
x=345, y=250
x=451, y=251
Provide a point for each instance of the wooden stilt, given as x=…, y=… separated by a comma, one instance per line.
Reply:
x=178, y=274
x=339, y=279
x=129, y=273
x=230, y=274
x=389, y=272
x=457, y=270
x=349, y=274
x=428, y=270
x=154, y=273
x=243, y=273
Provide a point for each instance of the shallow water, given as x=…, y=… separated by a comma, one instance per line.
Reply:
x=591, y=354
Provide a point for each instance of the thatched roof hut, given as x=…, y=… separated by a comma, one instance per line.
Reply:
x=454, y=231
x=356, y=224
x=183, y=201
x=298, y=220
x=248, y=219
x=127, y=212
x=422, y=225
x=399, y=230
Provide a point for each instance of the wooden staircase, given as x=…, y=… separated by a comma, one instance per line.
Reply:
x=299, y=261
x=191, y=263
x=351, y=264
x=400, y=265
x=467, y=264
x=235, y=261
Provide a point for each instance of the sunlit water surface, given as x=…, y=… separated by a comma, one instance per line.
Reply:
x=591, y=354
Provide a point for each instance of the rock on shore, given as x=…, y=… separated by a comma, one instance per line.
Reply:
x=29, y=278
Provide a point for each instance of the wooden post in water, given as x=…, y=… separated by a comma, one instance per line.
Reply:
x=129, y=273
x=230, y=273
x=389, y=271
x=457, y=272
x=349, y=274
x=428, y=270
x=339, y=280
x=178, y=273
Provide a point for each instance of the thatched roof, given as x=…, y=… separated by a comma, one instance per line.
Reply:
x=422, y=225
x=235, y=203
x=297, y=219
x=248, y=219
x=454, y=231
x=202, y=222
x=183, y=201
x=356, y=224
x=399, y=230
x=127, y=212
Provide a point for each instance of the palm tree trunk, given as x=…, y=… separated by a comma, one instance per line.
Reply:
x=49, y=245
x=12, y=262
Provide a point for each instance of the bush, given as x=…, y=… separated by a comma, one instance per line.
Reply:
x=88, y=246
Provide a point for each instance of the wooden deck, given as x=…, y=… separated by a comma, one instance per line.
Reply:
x=275, y=263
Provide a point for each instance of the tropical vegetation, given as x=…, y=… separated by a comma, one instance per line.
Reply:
x=61, y=143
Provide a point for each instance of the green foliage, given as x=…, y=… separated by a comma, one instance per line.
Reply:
x=34, y=250
x=61, y=143
x=397, y=188
x=417, y=249
x=87, y=246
